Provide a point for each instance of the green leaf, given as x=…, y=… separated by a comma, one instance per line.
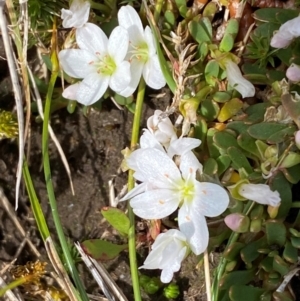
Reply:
x=223, y=163
x=247, y=143
x=280, y=266
x=209, y=109
x=263, y=131
x=224, y=140
x=221, y=96
x=211, y=72
x=212, y=148
x=292, y=106
x=102, y=250
x=246, y=293
x=281, y=184
x=233, y=250
x=276, y=232
x=256, y=112
x=239, y=160
x=201, y=30
x=249, y=253
x=230, y=109
x=210, y=167
x=275, y=15
x=237, y=277
x=290, y=253
x=117, y=218
x=292, y=174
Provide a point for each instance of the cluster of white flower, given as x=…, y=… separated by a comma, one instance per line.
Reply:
x=283, y=38
x=166, y=167
x=117, y=62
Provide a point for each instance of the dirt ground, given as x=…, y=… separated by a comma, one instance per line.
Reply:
x=93, y=147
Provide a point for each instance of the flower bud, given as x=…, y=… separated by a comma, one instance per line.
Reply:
x=237, y=222
x=297, y=139
x=293, y=73
x=144, y=279
x=152, y=286
x=171, y=291
x=255, y=225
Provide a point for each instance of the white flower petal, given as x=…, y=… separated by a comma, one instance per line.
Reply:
x=154, y=165
x=76, y=62
x=182, y=145
x=136, y=72
x=168, y=251
x=77, y=15
x=152, y=73
x=127, y=17
x=210, y=199
x=121, y=78
x=155, y=204
x=91, y=37
x=118, y=44
x=92, y=89
x=133, y=192
x=189, y=161
x=148, y=140
x=150, y=41
x=237, y=81
x=260, y=193
x=194, y=227
x=71, y=91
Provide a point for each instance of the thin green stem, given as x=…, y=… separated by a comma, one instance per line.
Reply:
x=35, y=204
x=48, y=178
x=13, y=284
x=131, y=233
x=221, y=267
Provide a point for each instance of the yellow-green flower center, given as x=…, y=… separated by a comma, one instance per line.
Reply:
x=140, y=52
x=105, y=65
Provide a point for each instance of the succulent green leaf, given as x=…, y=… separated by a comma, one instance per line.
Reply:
x=290, y=253
x=280, y=266
x=233, y=250
x=210, y=167
x=276, y=232
x=102, y=250
x=212, y=148
x=224, y=140
x=250, y=252
x=239, y=160
x=236, y=278
x=209, y=109
x=246, y=293
x=281, y=184
x=211, y=72
x=201, y=30
x=170, y=17
x=263, y=131
x=223, y=163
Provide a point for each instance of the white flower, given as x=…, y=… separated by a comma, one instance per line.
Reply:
x=160, y=132
x=165, y=188
x=260, y=193
x=237, y=81
x=99, y=61
x=141, y=53
x=168, y=251
x=77, y=15
x=286, y=33
x=293, y=73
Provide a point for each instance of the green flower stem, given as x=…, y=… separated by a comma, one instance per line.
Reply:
x=131, y=232
x=13, y=284
x=221, y=267
x=47, y=172
x=35, y=204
